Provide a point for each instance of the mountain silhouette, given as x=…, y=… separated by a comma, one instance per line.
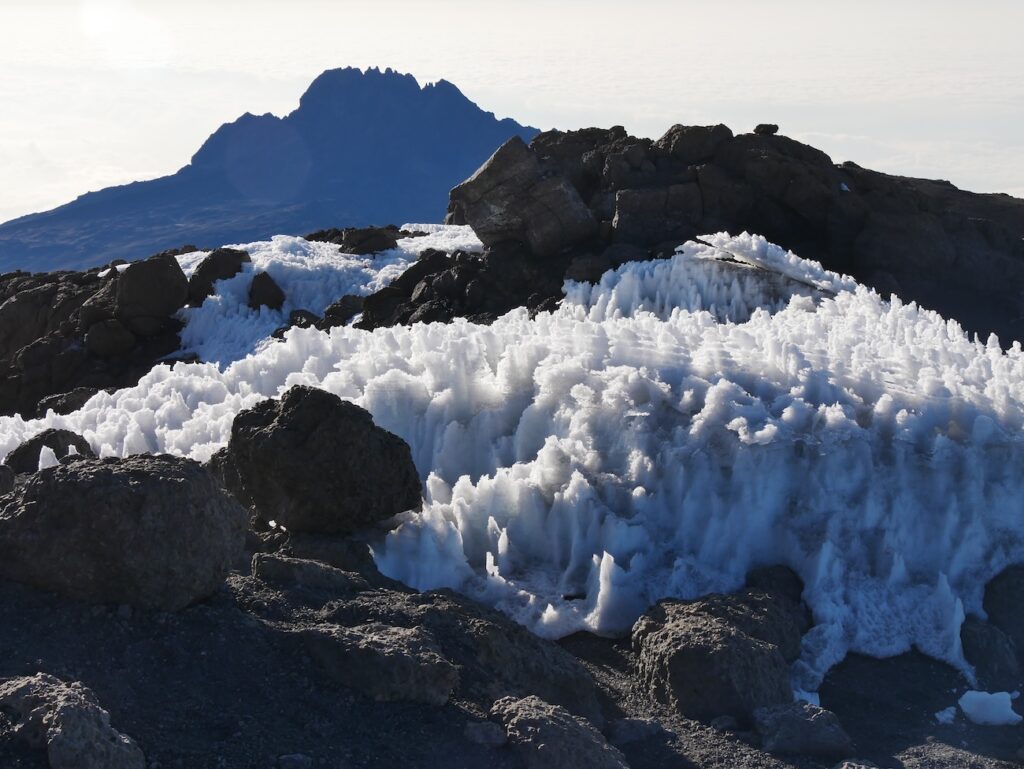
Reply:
x=362, y=148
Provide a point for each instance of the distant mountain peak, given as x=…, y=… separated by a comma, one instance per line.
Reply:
x=363, y=147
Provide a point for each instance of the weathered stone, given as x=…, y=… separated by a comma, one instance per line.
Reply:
x=25, y=458
x=315, y=463
x=705, y=666
x=1004, y=597
x=512, y=197
x=766, y=129
x=485, y=733
x=264, y=292
x=66, y=719
x=341, y=312
x=690, y=145
x=993, y=655
x=383, y=662
x=220, y=264
x=154, y=532
x=545, y=736
x=803, y=729
x=154, y=287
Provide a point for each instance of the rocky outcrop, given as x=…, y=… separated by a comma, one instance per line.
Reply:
x=723, y=655
x=893, y=233
x=67, y=721
x=66, y=333
x=312, y=462
x=546, y=735
x=63, y=443
x=494, y=656
x=220, y=264
x=153, y=532
x=513, y=197
x=802, y=729
x=363, y=240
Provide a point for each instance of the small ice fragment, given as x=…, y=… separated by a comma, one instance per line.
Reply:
x=47, y=458
x=989, y=708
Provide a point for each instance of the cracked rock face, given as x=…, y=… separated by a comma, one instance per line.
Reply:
x=67, y=721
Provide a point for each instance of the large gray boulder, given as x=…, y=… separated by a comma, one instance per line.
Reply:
x=546, y=736
x=992, y=653
x=312, y=462
x=67, y=721
x=25, y=458
x=154, y=532
x=706, y=659
x=513, y=197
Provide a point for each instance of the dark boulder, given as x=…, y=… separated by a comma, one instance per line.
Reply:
x=711, y=658
x=766, y=129
x=315, y=463
x=512, y=197
x=153, y=287
x=153, y=532
x=6, y=479
x=65, y=403
x=25, y=458
x=264, y=292
x=222, y=263
x=361, y=240
x=341, y=312
x=993, y=655
x=690, y=145
x=803, y=729
x=1004, y=597
x=297, y=319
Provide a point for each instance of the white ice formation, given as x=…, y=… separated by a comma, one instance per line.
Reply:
x=660, y=434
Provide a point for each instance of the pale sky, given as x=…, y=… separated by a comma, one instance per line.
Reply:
x=101, y=92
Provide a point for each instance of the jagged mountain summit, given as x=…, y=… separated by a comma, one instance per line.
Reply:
x=362, y=148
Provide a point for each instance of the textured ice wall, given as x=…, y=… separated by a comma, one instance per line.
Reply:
x=660, y=435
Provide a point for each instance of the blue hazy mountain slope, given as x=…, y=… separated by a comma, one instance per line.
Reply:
x=362, y=148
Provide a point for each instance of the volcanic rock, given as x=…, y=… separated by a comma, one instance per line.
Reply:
x=993, y=655
x=711, y=658
x=315, y=463
x=546, y=735
x=153, y=532
x=512, y=197
x=264, y=292
x=384, y=662
x=222, y=263
x=803, y=729
x=66, y=719
x=25, y=458
x=153, y=287
x=1004, y=597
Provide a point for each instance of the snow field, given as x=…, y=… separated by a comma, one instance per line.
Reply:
x=660, y=434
